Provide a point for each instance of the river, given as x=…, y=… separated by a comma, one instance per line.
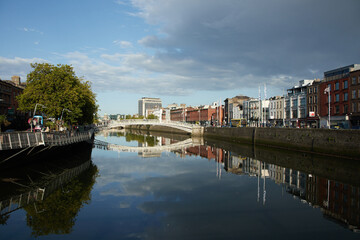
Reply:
x=201, y=190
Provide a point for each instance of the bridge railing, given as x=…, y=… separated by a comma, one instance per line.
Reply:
x=151, y=121
x=18, y=140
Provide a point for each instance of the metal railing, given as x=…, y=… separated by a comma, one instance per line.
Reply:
x=18, y=140
x=175, y=124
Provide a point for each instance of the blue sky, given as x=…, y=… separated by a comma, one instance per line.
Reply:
x=183, y=51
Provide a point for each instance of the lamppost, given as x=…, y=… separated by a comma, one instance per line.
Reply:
x=327, y=91
x=199, y=116
x=36, y=106
x=63, y=112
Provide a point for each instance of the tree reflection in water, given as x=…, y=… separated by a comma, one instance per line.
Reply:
x=57, y=213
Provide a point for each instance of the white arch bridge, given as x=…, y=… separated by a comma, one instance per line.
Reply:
x=193, y=129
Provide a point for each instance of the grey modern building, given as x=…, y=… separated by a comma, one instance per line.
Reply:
x=146, y=104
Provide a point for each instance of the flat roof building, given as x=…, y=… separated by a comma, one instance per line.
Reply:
x=145, y=104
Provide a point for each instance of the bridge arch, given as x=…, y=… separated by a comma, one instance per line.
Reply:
x=182, y=126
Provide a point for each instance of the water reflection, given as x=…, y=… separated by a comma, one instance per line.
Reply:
x=211, y=190
x=56, y=214
x=339, y=201
x=321, y=182
x=51, y=192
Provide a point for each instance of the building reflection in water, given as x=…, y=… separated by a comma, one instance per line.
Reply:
x=339, y=202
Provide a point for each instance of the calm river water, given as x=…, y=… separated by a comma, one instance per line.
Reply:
x=195, y=190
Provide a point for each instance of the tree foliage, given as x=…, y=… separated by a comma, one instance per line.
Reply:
x=3, y=121
x=58, y=88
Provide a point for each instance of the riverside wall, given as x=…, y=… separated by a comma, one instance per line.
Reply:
x=343, y=143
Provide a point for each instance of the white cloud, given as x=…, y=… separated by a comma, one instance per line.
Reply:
x=224, y=44
x=25, y=29
x=17, y=66
x=220, y=45
x=123, y=44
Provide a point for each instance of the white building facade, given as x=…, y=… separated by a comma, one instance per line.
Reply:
x=295, y=104
x=276, y=111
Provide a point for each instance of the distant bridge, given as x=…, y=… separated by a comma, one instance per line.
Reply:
x=154, y=149
x=193, y=129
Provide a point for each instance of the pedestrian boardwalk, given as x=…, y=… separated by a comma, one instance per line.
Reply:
x=19, y=140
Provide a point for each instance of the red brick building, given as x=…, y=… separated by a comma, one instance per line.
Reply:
x=206, y=115
x=9, y=90
x=354, y=96
x=338, y=81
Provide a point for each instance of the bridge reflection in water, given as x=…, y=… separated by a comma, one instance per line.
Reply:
x=337, y=195
x=302, y=176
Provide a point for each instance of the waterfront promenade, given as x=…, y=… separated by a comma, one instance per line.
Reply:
x=23, y=146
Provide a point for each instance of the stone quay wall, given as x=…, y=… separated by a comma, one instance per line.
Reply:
x=343, y=143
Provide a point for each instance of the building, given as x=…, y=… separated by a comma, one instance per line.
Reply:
x=313, y=104
x=205, y=115
x=337, y=81
x=252, y=112
x=276, y=111
x=295, y=104
x=9, y=90
x=256, y=112
x=233, y=109
x=354, y=91
x=146, y=105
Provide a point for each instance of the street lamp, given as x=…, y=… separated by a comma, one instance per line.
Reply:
x=36, y=106
x=199, y=116
x=63, y=112
x=327, y=91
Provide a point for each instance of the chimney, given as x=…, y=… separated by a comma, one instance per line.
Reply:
x=16, y=80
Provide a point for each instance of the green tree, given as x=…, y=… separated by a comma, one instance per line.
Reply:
x=152, y=116
x=58, y=88
x=3, y=121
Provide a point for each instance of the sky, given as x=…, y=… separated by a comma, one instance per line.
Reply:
x=183, y=51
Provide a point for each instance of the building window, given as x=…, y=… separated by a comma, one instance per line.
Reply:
x=353, y=107
x=353, y=81
x=337, y=109
x=315, y=89
x=337, y=86
x=329, y=86
x=346, y=96
x=345, y=84
x=358, y=93
x=346, y=108
x=358, y=79
x=327, y=99
x=353, y=94
x=337, y=98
